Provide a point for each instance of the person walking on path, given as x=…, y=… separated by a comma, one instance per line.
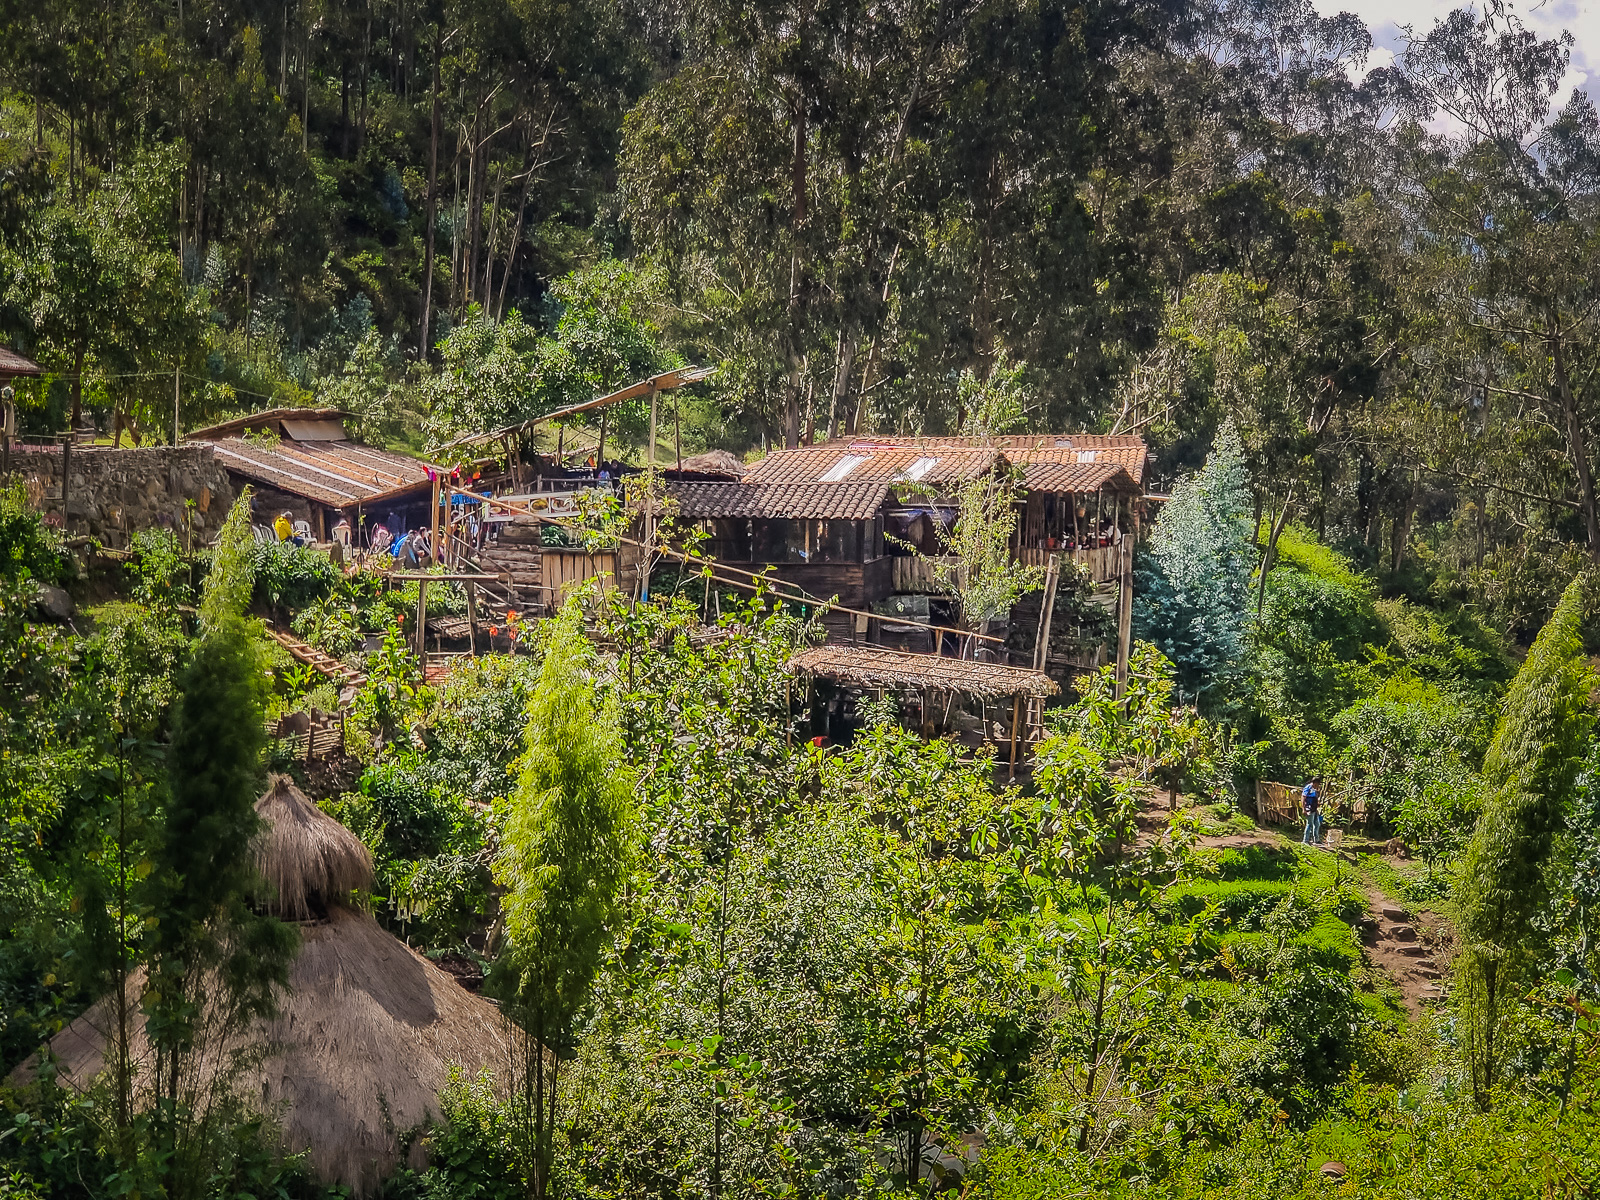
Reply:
x=1311, y=800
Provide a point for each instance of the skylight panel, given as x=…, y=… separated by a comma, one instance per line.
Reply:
x=1086, y=456
x=843, y=467
x=921, y=467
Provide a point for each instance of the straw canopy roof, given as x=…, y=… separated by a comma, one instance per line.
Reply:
x=308, y=859
x=366, y=1036
x=859, y=666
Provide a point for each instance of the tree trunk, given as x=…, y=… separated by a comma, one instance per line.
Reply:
x=432, y=207
x=488, y=245
x=1401, y=533
x=849, y=340
x=1579, y=448
x=1271, y=550
x=797, y=180
x=516, y=238
x=77, y=392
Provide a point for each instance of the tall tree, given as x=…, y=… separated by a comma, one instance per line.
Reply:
x=1530, y=771
x=1193, y=595
x=566, y=851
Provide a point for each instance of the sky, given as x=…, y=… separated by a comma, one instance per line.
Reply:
x=1548, y=19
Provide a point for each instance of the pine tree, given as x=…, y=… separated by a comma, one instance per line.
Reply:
x=1530, y=771
x=565, y=857
x=1193, y=585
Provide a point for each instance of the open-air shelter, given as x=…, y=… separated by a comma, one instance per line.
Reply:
x=931, y=676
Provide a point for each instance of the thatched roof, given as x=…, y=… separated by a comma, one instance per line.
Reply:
x=366, y=1035
x=713, y=462
x=363, y=1044
x=308, y=859
x=870, y=667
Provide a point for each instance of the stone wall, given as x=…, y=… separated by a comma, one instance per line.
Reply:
x=116, y=493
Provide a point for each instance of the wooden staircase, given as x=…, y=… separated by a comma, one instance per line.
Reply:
x=341, y=673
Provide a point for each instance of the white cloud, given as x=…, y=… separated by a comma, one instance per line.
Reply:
x=1386, y=18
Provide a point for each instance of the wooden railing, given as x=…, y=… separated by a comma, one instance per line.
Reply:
x=1104, y=562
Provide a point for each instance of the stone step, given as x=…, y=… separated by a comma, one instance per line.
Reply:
x=1413, y=951
x=1393, y=913
x=1403, y=933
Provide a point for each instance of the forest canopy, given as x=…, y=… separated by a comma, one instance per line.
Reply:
x=444, y=216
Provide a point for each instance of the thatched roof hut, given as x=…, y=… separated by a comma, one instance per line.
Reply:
x=369, y=1030
x=307, y=858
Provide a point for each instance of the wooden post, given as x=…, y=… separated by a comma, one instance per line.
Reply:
x=1016, y=716
x=1047, y=613
x=561, y=445
x=433, y=539
x=600, y=452
x=649, y=502
x=1124, y=614
x=422, y=624
x=66, y=481
x=7, y=407
x=177, y=392
x=677, y=430
x=472, y=618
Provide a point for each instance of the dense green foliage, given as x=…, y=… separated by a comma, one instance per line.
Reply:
x=1531, y=767
x=1352, y=311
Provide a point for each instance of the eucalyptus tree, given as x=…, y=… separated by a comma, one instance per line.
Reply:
x=1507, y=243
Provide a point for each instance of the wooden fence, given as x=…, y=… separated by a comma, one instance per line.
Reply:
x=1280, y=804
x=325, y=739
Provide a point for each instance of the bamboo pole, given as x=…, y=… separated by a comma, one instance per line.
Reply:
x=1016, y=716
x=422, y=623
x=1124, y=613
x=433, y=536
x=649, y=501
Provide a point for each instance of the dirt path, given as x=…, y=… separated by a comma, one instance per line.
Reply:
x=1405, y=947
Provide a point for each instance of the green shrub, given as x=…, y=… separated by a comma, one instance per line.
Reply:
x=28, y=549
x=291, y=576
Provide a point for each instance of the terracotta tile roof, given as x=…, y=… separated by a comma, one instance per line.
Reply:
x=340, y=474
x=12, y=363
x=851, y=501
x=1125, y=450
x=1077, y=477
x=863, y=461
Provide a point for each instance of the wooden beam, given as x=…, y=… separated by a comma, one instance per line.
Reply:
x=1124, y=612
x=1016, y=715
x=422, y=621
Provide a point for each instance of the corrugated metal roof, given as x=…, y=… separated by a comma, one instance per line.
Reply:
x=854, y=501
x=1125, y=450
x=269, y=418
x=340, y=474
x=12, y=363
x=875, y=462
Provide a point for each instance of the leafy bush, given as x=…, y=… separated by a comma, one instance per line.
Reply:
x=291, y=576
x=417, y=818
x=28, y=549
x=160, y=574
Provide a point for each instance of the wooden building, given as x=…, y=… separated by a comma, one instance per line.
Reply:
x=302, y=461
x=864, y=519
